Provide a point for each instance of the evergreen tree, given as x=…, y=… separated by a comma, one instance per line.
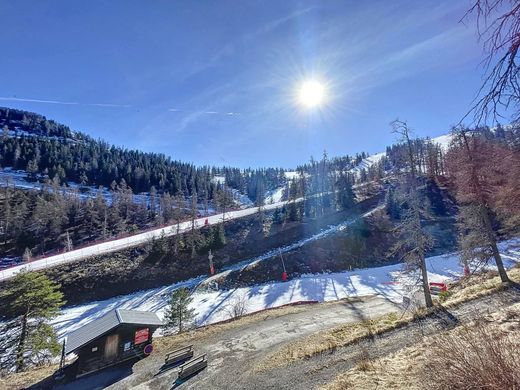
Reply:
x=392, y=204
x=179, y=315
x=32, y=299
x=219, y=236
x=344, y=193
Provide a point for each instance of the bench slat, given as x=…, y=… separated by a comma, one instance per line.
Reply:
x=193, y=366
x=179, y=354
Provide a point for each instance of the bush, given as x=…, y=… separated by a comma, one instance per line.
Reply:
x=478, y=357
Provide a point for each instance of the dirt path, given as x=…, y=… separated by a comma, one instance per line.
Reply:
x=320, y=370
x=232, y=350
x=233, y=353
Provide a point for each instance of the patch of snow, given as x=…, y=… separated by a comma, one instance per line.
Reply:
x=241, y=199
x=291, y=175
x=368, y=162
x=444, y=141
x=219, y=179
x=274, y=196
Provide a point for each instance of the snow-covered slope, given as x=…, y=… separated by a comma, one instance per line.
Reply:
x=368, y=162
x=444, y=141
x=274, y=196
x=213, y=306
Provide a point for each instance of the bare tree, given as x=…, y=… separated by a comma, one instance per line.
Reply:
x=469, y=169
x=194, y=233
x=237, y=307
x=498, y=26
x=178, y=206
x=413, y=240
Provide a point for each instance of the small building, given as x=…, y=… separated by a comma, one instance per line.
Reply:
x=117, y=336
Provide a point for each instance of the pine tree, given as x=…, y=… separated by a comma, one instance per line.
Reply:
x=345, y=193
x=32, y=299
x=219, y=236
x=392, y=205
x=179, y=315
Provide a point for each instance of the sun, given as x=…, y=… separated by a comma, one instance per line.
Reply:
x=311, y=93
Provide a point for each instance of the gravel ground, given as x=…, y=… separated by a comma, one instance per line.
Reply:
x=234, y=352
x=312, y=373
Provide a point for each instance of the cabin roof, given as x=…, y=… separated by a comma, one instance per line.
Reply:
x=94, y=329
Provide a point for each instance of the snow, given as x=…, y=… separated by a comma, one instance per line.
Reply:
x=274, y=196
x=212, y=306
x=368, y=162
x=444, y=141
x=241, y=199
x=291, y=174
x=219, y=179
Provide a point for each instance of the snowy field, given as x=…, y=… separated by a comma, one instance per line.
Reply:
x=213, y=306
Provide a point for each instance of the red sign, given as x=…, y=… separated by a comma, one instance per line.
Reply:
x=141, y=336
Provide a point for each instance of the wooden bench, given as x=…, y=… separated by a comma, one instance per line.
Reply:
x=179, y=355
x=192, y=367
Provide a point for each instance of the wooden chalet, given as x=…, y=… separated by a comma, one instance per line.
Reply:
x=117, y=336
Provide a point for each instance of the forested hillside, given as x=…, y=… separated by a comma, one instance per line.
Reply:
x=60, y=216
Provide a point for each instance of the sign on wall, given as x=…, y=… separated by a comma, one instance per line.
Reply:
x=141, y=336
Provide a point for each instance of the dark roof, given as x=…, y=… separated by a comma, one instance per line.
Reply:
x=109, y=321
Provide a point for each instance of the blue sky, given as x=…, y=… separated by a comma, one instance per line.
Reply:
x=213, y=82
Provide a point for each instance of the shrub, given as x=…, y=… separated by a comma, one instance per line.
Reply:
x=478, y=357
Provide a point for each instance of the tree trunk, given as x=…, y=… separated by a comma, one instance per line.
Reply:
x=494, y=248
x=426, y=284
x=177, y=238
x=180, y=318
x=500, y=264
x=21, y=344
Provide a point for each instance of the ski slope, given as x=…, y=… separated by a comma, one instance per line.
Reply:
x=331, y=229
x=444, y=141
x=210, y=306
x=131, y=241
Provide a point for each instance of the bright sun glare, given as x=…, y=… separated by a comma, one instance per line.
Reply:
x=311, y=93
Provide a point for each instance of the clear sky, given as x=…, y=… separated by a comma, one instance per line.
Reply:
x=214, y=82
